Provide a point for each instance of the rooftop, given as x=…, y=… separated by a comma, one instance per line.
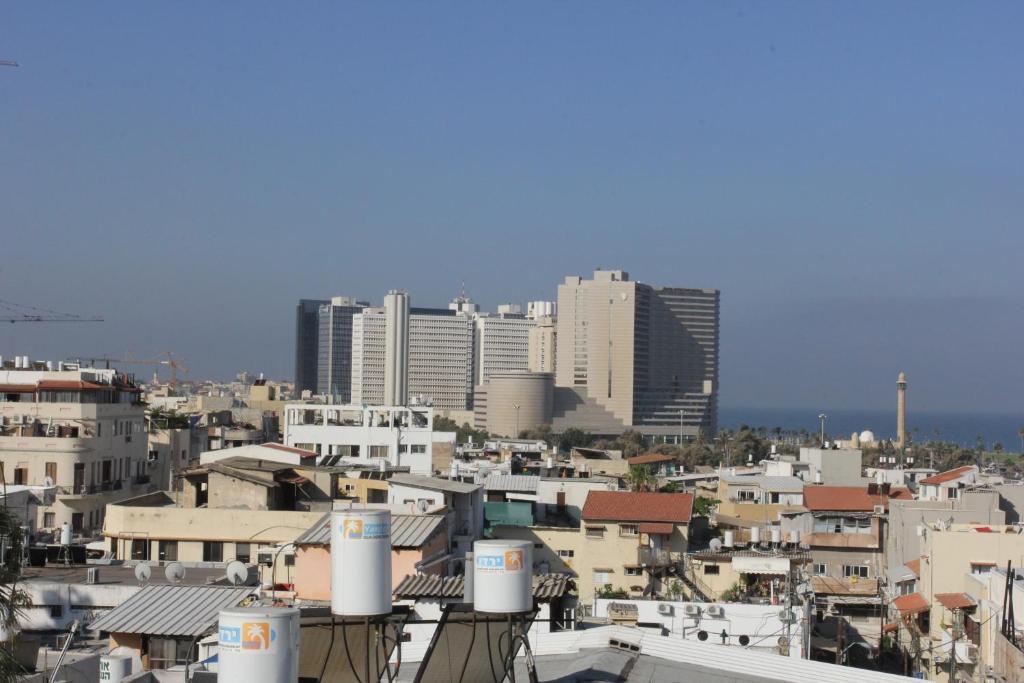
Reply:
x=407, y=531
x=433, y=483
x=911, y=604
x=767, y=483
x=948, y=475
x=545, y=586
x=626, y=506
x=171, y=610
x=516, y=483
x=650, y=459
x=849, y=498
x=955, y=600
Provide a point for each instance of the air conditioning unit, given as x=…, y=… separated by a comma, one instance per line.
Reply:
x=265, y=557
x=17, y=419
x=879, y=509
x=972, y=652
x=664, y=610
x=787, y=616
x=716, y=611
x=691, y=610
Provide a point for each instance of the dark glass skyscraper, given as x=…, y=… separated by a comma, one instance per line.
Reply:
x=307, y=334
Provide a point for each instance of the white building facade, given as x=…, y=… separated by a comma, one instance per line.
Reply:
x=502, y=345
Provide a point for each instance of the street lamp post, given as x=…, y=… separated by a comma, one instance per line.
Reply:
x=681, y=414
x=516, y=406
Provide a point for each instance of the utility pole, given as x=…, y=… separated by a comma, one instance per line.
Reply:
x=957, y=620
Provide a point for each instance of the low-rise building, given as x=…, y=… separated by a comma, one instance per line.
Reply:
x=659, y=465
x=463, y=505
x=948, y=485
x=756, y=500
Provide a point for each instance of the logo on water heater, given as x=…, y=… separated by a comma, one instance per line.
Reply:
x=357, y=529
x=252, y=635
x=510, y=560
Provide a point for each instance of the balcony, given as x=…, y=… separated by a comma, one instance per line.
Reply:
x=656, y=557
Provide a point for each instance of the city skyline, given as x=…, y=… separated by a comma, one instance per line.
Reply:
x=841, y=174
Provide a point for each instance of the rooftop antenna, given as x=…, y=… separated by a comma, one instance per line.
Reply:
x=175, y=572
x=143, y=572
x=236, y=573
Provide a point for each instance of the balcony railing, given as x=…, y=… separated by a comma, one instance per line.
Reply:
x=656, y=557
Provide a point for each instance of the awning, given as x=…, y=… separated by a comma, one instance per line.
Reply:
x=914, y=603
x=761, y=565
x=955, y=600
x=656, y=528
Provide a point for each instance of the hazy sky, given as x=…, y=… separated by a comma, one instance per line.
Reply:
x=849, y=175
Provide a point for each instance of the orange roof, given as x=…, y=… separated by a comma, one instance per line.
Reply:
x=71, y=384
x=915, y=566
x=649, y=459
x=911, y=604
x=848, y=498
x=289, y=449
x=17, y=388
x=624, y=506
x=955, y=600
x=948, y=475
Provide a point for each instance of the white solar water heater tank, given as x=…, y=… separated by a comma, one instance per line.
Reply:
x=114, y=668
x=65, y=534
x=503, y=576
x=755, y=535
x=258, y=645
x=361, y=562
x=729, y=539
x=776, y=535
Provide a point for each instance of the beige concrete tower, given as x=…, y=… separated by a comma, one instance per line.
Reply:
x=901, y=410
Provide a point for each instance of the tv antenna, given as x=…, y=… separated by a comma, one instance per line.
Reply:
x=175, y=572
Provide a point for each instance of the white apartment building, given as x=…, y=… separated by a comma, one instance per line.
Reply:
x=502, y=344
x=361, y=435
x=440, y=359
x=541, y=345
x=81, y=431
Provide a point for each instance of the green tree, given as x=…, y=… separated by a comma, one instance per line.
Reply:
x=13, y=600
x=574, y=438
x=703, y=507
x=640, y=479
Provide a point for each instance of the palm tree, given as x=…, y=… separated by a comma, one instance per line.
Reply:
x=640, y=479
x=13, y=600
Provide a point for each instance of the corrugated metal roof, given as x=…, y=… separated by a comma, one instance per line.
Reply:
x=407, y=531
x=517, y=483
x=767, y=483
x=171, y=610
x=432, y=483
x=545, y=586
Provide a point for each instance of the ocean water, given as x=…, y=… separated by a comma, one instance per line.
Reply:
x=961, y=428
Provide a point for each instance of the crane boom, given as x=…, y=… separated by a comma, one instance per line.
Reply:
x=20, y=313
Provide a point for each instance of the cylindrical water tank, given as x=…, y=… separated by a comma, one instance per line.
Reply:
x=114, y=668
x=503, y=576
x=551, y=462
x=65, y=534
x=755, y=534
x=361, y=562
x=729, y=539
x=259, y=645
x=776, y=535
x=794, y=536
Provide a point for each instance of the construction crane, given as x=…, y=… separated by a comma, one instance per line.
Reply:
x=20, y=313
x=170, y=361
x=8, y=62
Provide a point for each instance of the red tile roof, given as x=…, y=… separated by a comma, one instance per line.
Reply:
x=71, y=384
x=948, y=475
x=650, y=459
x=849, y=498
x=955, y=600
x=915, y=566
x=289, y=449
x=623, y=506
x=911, y=604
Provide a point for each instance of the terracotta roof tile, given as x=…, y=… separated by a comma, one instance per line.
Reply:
x=849, y=498
x=625, y=506
x=948, y=475
x=915, y=566
x=913, y=603
x=955, y=600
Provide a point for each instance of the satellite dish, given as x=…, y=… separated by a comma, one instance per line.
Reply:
x=422, y=505
x=715, y=544
x=48, y=482
x=237, y=573
x=143, y=572
x=175, y=572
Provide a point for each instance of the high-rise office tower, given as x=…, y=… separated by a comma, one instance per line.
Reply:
x=501, y=343
x=368, y=332
x=396, y=348
x=307, y=342
x=334, y=359
x=541, y=345
x=640, y=357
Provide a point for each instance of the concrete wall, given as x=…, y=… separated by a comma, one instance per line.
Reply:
x=575, y=490
x=533, y=393
x=903, y=544
x=838, y=467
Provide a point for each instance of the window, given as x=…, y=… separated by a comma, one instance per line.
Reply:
x=168, y=551
x=601, y=578
x=745, y=496
x=595, y=532
x=858, y=570
x=213, y=551
x=243, y=553
x=289, y=560
x=56, y=611
x=21, y=476
x=419, y=448
x=49, y=520
x=629, y=530
x=140, y=549
x=51, y=471
x=378, y=451
x=154, y=456
x=632, y=571
x=77, y=520
x=981, y=567
x=712, y=569
x=567, y=553
x=820, y=569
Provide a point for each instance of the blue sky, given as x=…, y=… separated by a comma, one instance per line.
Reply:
x=850, y=176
